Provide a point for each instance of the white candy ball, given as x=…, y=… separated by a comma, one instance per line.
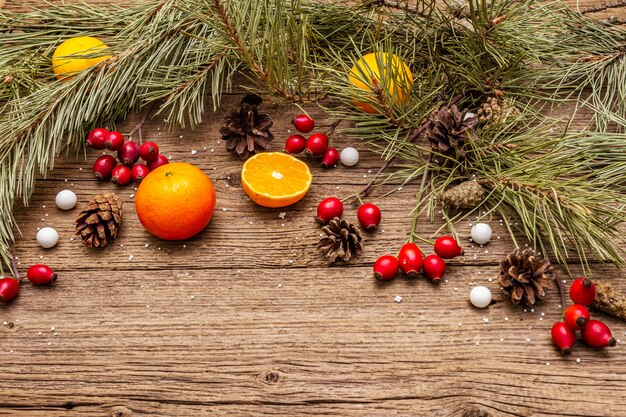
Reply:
x=66, y=200
x=349, y=156
x=480, y=296
x=47, y=237
x=481, y=233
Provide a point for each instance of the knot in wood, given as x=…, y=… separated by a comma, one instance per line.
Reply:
x=475, y=412
x=271, y=377
x=121, y=412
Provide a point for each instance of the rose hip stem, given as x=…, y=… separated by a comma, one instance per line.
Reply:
x=416, y=213
x=16, y=272
x=138, y=126
x=331, y=131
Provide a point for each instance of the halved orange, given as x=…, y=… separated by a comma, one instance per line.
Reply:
x=275, y=179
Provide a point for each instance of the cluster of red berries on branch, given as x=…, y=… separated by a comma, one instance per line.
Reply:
x=576, y=317
x=317, y=144
x=37, y=274
x=128, y=153
x=411, y=261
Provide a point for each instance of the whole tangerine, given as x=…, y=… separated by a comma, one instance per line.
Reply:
x=175, y=201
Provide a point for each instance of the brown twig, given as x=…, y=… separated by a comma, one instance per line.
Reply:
x=412, y=138
x=595, y=9
x=559, y=285
x=139, y=126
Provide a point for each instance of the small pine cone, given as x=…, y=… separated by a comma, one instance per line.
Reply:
x=609, y=299
x=466, y=195
x=100, y=220
x=494, y=111
x=245, y=130
x=342, y=241
x=449, y=130
x=525, y=276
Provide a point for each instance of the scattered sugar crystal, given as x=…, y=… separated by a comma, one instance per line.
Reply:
x=193, y=152
x=130, y=258
x=577, y=360
x=397, y=298
x=486, y=320
x=282, y=215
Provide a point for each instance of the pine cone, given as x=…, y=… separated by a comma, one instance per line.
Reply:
x=343, y=240
x=449, y=131
x=525, y=276
x=494, y=111
x=466, y=195
x=100, y=220
x=245, y=130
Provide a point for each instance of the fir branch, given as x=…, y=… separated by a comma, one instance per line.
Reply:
x=601, y=8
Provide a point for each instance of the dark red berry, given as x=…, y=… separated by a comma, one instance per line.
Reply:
x=330, y=158
x=410, y=259
x=563, y=337
x=103, y=167
x=576, y=316
x=582, y=291
x=303, y=123
x=447, y=247
x=434, y=267
x=161, y=160
x=139, y=172
x=96, y=138
x=41, y=274
x=316, y=144
x=386, y=268
x=114, y=141
x=328, y=209
x=121, y=175
x=369, y=216
x=149, y=151
x=597, y=335
x=295, y=144
x=128, y=154
x=9, y=287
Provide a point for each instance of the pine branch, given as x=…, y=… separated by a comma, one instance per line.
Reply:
x=601, y=8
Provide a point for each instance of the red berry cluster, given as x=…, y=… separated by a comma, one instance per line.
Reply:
x=315, y=146
x=37, y=274
x=594, y=333
x=411, y=261
x=128, y=153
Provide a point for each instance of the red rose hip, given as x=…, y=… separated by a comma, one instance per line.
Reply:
x=114, y=141
x=103, y=167
x=41, y=274
x=597, y=335
x=138, y=172
x=328, y=209
x=447, y=247
x=121, y=175
x=149, y=151
x=161, y=160
x=330, y=158
x=295, y=144
x=303, y=123
x=410, y=259
x=96, y=138
x=386, y=268
x=9, y=288
x=434, y=267
x=563, y=337
x=369, y=216
x=576, y=316
x=582, y=291
x=316, y=144
x=128, y=154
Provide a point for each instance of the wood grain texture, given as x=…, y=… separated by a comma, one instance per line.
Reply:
x=246, y=319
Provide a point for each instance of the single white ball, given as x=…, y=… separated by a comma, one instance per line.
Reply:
x=47, y=237
x=349, y=156
x=480, y=296
x=66, y=200
x=481, y=233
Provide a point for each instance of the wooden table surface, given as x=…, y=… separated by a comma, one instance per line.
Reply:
x=247, y=319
